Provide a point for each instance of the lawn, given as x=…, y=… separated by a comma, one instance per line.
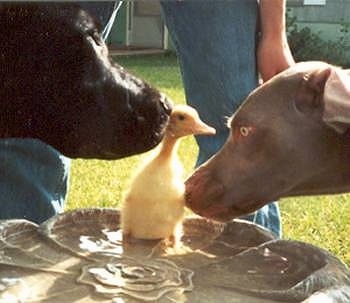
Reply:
x=320, y=220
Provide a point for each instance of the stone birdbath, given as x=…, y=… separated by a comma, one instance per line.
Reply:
x=79, y=256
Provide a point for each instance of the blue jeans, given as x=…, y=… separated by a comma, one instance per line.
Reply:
x=216, y=42
x=33, y=180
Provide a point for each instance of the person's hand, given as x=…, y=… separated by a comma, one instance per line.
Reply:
x=273, y=57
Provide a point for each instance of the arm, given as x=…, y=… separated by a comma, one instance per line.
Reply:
x=273, y=54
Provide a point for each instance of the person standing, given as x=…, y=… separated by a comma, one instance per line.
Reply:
x=223, y=47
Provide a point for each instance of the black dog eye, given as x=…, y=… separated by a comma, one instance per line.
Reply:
x=181, y=117
x=93, y=33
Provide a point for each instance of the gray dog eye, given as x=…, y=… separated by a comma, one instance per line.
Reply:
x=244, y=131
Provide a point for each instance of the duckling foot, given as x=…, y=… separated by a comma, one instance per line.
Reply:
x=172, y=241
x=127, y=239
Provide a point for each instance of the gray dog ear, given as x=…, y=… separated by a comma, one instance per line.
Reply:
x=310, y=93
x=336, y=112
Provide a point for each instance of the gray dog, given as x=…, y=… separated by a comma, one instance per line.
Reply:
x=290, y=137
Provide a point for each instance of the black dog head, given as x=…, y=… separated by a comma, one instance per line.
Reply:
x=57, y=84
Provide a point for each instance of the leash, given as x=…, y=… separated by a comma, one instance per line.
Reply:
x=108, y=27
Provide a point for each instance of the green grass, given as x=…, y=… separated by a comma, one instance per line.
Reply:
x=321, y=220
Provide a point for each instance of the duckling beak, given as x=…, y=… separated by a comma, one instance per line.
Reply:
x=200, y=128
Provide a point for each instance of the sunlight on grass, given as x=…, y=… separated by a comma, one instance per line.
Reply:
x=323, y=221
x=319, y=220
x=96, y=183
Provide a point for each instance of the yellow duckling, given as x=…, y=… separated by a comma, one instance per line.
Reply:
x=153, y=207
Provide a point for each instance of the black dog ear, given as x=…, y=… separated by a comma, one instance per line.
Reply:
x=309, y=96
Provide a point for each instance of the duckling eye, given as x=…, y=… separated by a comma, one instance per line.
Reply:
x=181, y=117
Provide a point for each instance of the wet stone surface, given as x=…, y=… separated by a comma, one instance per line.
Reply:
x=80, y=256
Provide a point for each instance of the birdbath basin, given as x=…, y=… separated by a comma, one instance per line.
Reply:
x=79, y=256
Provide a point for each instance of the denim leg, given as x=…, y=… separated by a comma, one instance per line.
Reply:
x=216, y=43
x=33, y=180
x=269, y=217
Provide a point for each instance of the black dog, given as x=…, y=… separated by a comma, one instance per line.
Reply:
x=57, y=84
